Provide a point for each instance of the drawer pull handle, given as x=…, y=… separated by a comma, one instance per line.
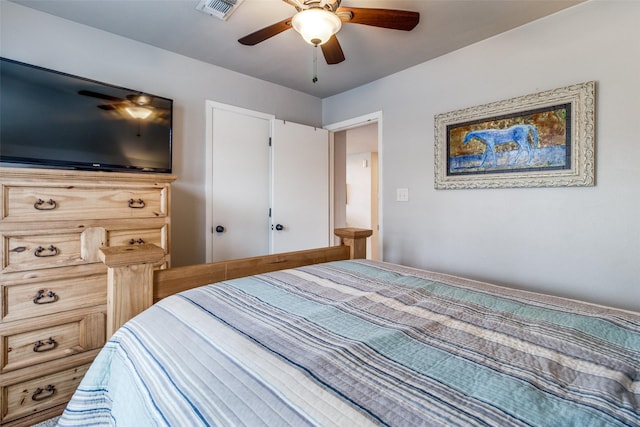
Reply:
x=41, y=205
x=133, y=241
x=40, y=395
x=42, y=346
x=41, y=252
x=136, y=204
x=52, y=297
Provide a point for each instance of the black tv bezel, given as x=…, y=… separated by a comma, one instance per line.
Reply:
x=86, y=166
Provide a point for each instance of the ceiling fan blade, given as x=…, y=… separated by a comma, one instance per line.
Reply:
x=332, y=51
x=265, y=33
x=99, y=95
x=108, y=107
x=385, y=18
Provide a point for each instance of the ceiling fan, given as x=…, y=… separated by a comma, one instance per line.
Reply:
x=319, y=20
x=138, y=106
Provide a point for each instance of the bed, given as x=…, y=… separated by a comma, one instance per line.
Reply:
x=357, y=342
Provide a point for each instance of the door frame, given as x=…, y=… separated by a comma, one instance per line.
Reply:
x=375, y=117
x=209, y=107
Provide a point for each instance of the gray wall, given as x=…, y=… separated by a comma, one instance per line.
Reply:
x=577, y=242
x=37, y=38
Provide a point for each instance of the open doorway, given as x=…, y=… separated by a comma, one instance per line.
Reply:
x=356, y=180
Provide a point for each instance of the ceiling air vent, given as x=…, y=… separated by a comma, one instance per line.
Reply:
x=220, y=9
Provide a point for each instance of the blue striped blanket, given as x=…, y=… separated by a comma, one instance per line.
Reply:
x=355, y=343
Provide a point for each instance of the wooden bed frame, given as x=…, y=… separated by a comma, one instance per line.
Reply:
x=134, y=283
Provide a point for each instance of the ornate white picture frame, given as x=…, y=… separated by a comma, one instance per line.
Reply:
x=545, y=139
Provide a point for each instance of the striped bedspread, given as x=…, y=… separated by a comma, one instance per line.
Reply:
x=357, y=343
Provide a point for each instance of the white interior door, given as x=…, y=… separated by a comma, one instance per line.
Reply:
x=239, y=199
x=300, y=187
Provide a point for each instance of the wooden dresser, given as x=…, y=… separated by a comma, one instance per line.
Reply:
x=53, y=285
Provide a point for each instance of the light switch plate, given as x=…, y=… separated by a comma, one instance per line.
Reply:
x=402, y=195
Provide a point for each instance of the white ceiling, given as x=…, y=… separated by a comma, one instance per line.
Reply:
x=371, y=53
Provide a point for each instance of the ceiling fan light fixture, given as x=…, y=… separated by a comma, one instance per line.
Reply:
x=316, y=25
x=138, y=112
x=140, y=99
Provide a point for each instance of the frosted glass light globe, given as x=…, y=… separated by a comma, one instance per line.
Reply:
x=316, y=25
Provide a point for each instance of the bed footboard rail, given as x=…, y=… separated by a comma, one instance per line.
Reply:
x=178, y=279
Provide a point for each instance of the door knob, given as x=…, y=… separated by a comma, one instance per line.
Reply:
x=279, y=227
x=219, y=229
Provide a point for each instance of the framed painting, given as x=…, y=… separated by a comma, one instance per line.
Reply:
x=546, y=139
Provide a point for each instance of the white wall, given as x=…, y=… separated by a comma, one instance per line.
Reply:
x=578, y=242
x=359, y=190
x=37, y=38
x=362, y=196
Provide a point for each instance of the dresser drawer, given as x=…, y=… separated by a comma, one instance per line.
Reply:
x=40, y=203
x=157, y=236
x=41, y=298
x=26, y=252
x=49, y=338
x=41, y=393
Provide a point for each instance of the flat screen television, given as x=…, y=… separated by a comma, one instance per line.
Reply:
x=57, y=120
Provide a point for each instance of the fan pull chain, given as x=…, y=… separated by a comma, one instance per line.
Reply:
x=315, y=64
